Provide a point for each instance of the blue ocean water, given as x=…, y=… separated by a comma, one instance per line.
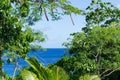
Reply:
x=50, y=55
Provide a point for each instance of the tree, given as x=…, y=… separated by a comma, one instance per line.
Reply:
x=51, y=9
x=83, y=48
x=95, y=52
x=104, y=13
x=16, y=15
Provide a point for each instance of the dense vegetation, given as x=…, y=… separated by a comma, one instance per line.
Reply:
x=94, y=52
x=16, y=37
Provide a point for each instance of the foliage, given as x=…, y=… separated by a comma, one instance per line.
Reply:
x=89, y=77
x=36, y=70
x=16, y=37
x=104, y=13
x=58, y=73
x=6, y=77
x=75, y=66
x=38, y=8
x=94, y=52
x=26, y=75
x=41, y=72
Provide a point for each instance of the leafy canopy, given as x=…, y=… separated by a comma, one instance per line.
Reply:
x=96, y=52
x=105, y=14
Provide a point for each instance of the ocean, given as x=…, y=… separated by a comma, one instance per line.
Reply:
x=49, y=56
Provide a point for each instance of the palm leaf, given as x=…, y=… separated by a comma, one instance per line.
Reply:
x=89, y=77
x=59, y=73
x=42, y=72
x=26, y=75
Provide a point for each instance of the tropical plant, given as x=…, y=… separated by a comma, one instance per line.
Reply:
x=89, y=77
x=94, y=52
x=58, y=73
x=26, y=75
x=6, y=77
x=44, y=73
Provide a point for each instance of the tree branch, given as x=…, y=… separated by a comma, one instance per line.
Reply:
x=110, y=73
x=46, y=14
x=105, y=72
x=72, y=19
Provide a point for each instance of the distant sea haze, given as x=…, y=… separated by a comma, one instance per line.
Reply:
x=50, y=55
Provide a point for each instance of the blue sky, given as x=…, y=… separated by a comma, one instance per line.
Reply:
x=58, y=31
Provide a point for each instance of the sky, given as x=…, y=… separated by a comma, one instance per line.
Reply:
x=58, y=31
